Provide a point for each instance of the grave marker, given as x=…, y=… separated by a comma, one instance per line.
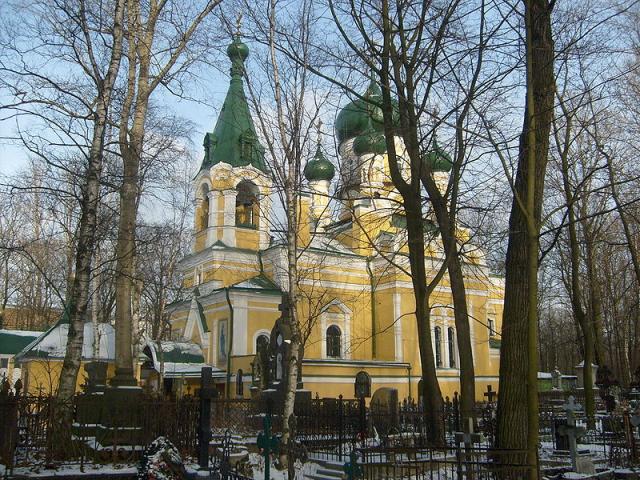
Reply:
x=470, y=437
x=268, y=444
x=571, y=431
x=207, y=393
x=490, y=394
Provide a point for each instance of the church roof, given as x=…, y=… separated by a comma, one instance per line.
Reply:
x=234, y=139
x=52, y=344
x=259, y=282
x=201, y=315
x=176, y=359
x=438, y=158
x=12, y=341
x=363, y=116
x=319, y=168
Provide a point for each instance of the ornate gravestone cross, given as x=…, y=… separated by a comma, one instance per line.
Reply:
x=490, y=394
x=284, y=306
x=570, y=430
x=352, y=468
x=267, y=443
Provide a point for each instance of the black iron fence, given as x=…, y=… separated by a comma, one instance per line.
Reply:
x=34, y=430
x=443, y=463
x=31, y=430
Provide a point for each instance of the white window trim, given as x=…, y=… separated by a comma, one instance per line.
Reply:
x=343, y=322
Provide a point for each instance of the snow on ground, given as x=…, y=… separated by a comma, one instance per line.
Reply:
x=257, y=462
x=90, y=470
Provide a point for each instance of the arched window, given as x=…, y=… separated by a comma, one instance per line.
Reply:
x=262, y=342
x=363, y=385
x=239, y=384
x=204, y=209
x=451, y=338
x=333, y=342
x=247, y=206
x=437, y=337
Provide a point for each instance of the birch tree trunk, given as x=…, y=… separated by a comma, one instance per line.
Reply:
x=141, y=83
x=77, y=303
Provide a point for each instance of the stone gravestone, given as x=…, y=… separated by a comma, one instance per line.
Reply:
x=571, y=431
x=585, y=466
x=384, y=410
x=96, y=377
x=90, y=406
x=561, y=441
x=579, y=372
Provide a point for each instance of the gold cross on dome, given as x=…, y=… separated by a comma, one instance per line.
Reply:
x=238, y=24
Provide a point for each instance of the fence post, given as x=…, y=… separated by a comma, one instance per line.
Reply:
x=363, y=420
x=340, y=426
x=459, y=461
x=207, y=393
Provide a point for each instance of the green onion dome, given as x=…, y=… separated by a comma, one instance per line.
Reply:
x=319, y=168
x=370, y=142
x=362, y=115
x=438, y=159
x=237, y=50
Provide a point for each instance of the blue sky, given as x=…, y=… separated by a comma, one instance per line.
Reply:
x=14, y=157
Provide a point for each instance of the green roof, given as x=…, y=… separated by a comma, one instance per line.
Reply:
x=363, y=115
x=234, y=139
x=319, y=168
x=13, y=341
x=259, y=282
x=438, y=159
x=177, y=353
x=371, y=141
x=201, y=315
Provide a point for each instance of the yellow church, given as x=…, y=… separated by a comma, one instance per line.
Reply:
x=356, y=304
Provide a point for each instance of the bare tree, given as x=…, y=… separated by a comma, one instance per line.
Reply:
x=158, y=38
x=518, y=401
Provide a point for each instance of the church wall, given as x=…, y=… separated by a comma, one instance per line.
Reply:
x=247, y=238
x=261, y=318
x=199, y=240
x=385, y=346
x=41, y=376
x=214, y=314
